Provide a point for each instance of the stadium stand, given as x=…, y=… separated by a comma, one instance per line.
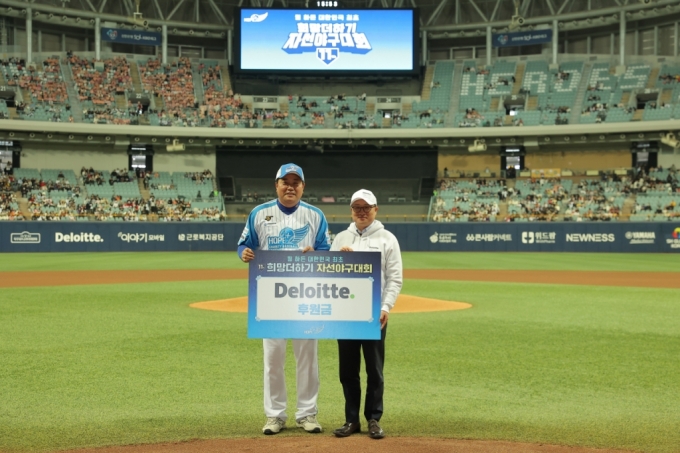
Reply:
x=550, y=95
x=9, y=206
x=653, y=197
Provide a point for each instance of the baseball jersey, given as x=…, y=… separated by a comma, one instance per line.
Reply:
x=272, y=226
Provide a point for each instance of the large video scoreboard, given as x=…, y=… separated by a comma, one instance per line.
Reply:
x=326, y=40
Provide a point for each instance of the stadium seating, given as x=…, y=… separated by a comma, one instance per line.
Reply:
x=550, y=95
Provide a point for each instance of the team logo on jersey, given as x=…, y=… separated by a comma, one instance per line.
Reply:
x=268, y=218
x=288, y=238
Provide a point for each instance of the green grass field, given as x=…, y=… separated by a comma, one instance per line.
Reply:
x=125, y=364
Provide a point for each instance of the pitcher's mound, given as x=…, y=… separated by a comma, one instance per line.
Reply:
x=405, y=304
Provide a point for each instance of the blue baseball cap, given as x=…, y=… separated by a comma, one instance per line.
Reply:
x=290, y=168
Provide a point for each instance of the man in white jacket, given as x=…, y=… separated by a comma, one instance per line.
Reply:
x=367, y=234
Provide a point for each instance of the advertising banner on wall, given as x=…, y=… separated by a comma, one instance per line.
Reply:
x=117, y=237
x=522, y=38
x=314, y=295
x=123, y=36
x=609, y=237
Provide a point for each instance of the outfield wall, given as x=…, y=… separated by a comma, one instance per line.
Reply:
x=483, y=237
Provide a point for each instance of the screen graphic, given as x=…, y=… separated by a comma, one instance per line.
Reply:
x=326, y=40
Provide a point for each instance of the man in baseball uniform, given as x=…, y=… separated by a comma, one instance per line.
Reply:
x=287, y=224
x=367, y=234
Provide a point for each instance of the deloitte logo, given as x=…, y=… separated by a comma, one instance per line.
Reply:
x=312, y=292
x=77, y=237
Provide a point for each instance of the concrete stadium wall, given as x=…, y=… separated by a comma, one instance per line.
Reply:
x=578, y=160
x=482, y=237
x=668, y=160
x=34, y=155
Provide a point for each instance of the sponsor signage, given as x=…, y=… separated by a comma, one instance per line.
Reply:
x=25, y=237
x=488, y=237
x=522, y=38
x=538, y=237
x=674, y=240
x=119, y=35
x=640, y=237
x=590, y=237
x=314, y=295
x=77, y=237
x=444, y=238
x=140, y=237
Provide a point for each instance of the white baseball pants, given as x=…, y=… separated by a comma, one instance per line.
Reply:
x=307, y=372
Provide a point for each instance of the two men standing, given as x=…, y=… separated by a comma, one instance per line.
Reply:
x=290, y=224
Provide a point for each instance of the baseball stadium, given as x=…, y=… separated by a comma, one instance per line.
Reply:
x=523, y=154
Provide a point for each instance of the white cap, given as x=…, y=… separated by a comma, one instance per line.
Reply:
x=366, y=195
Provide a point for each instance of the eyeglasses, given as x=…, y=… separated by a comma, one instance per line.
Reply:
x=364, y=209
x=294, y=184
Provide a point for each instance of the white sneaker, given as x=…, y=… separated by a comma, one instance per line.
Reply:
x=309, y=424
x=274, y=425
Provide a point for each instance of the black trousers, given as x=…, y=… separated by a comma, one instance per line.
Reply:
x=350, y=368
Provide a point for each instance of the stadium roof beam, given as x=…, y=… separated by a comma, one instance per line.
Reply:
x=550, y=6
x=158, y=9
x=219, y=13
x=128, y=7
x=611, y=13
x=495, y=10
x=89, y=3
x=174, y=10
x=559, y=11
x=474, y=5
x=102, y=5
x=436, y=12
x=525, y=7
x=197, y=15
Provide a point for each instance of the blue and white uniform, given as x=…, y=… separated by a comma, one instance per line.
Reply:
x=272, y=226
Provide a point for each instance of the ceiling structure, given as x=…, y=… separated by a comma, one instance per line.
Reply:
x=436, y=16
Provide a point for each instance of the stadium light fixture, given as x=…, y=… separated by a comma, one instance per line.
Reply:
x=669, y=139
x=175, y=147
x=516, y=21
x=478, y=146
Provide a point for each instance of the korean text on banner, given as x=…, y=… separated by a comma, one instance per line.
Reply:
x=331, y=295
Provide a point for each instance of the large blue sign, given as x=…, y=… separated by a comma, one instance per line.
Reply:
x=522, y=38
x=123, y=36
x=326, y=40
x=314, y=295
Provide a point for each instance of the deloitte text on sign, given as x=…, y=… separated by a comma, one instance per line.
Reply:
x=314, y=295
x=303, y=299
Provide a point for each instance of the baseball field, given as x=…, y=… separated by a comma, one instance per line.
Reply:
x=557, y=353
